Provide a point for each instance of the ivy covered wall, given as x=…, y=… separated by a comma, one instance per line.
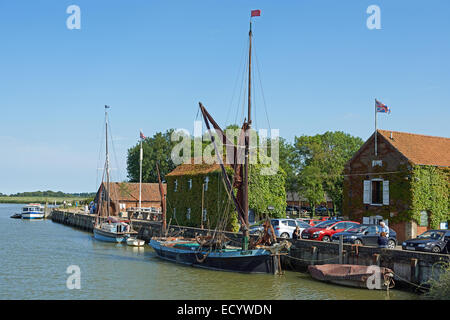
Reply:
x=264, y=191
x=430, y=188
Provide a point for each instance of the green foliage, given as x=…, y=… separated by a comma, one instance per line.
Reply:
x=51, y=194
x=440, y=288
x=311, y=186
x=267, y=191
x=264, y=191
x=289, y=163
x=321, y=160
x=216, y=201
x=430, y=192
x=156, y=149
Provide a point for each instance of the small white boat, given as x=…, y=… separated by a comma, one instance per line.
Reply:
x=33, y=211
x=135, y=242
x=113, y=230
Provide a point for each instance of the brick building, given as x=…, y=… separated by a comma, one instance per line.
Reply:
x=407, y=183
x=124, y=195
x=296, y=199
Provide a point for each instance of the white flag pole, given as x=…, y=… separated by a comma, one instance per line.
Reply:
x=140, y=174
x=376, y=153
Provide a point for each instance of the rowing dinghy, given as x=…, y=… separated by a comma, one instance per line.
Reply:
x=135, y=242
x=353, y=275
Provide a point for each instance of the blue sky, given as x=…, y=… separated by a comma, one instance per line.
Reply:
x=152, y=61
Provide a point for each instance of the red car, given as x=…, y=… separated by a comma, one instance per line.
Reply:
x=324, y=230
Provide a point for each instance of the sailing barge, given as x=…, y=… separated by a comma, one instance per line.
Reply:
x=215, y=252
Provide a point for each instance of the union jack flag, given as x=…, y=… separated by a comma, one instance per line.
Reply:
x=142, y=135
x=381, y=107
x=256, y=13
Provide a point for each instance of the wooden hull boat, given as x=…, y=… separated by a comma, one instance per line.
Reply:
x=189, y=252
x=352, y=275
x=113, y=230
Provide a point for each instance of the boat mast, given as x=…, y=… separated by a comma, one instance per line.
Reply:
x=247, y=133
x=140, y=176
x=107, y=161
x=163, y=202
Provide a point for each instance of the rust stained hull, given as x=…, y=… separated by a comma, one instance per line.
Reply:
x=350, y=275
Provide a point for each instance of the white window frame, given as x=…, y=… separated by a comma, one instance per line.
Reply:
x=206, y=183
x=188, y=214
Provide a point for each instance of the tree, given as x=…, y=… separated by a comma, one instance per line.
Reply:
x=267, y=191
x=156, y=149
x=311, y=187
x=289, y=163
x=321, y=159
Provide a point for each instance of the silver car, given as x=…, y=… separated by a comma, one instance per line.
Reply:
x=285, y=227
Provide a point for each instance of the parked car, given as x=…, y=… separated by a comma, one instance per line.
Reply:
x=335, y=218
x=366, y=235
x=436, y=241
x=257, y=228
x=285, y=227
x=292, y=208
x=321, y=210
x=325, y=230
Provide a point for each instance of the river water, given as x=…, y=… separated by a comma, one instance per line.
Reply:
x=35, y=256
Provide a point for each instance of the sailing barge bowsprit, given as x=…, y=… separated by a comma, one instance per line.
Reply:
x=214, y=251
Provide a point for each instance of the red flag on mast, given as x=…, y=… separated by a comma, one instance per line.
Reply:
x=256, y=13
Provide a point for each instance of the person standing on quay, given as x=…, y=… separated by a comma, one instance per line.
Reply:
x=384, y=228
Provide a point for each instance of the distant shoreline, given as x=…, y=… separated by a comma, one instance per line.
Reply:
x=41, y=200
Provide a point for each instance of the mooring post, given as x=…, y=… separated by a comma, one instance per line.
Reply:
x=313, y=254
x=341, y=247
x=414, y=270
x=376, y=259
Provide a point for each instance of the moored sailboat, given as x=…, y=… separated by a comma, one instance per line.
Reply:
x=214, y=251
x=106, y=228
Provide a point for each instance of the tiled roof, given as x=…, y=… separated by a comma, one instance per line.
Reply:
x=420, y=149
x=192, y=169
x=127, y=191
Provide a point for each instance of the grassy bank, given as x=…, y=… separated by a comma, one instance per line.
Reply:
x=41, y=200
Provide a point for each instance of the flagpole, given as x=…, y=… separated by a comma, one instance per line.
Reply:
x=376, y=151
x=140, y=176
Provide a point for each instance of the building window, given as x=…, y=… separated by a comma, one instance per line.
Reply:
x=176, y=185
x=204, y=214
x=188, y=214
x=376, y=192
x=190, y=184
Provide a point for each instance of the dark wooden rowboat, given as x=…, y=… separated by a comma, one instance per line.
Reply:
x=353, y=275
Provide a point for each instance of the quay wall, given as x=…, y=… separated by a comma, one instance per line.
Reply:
x=411, y=269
